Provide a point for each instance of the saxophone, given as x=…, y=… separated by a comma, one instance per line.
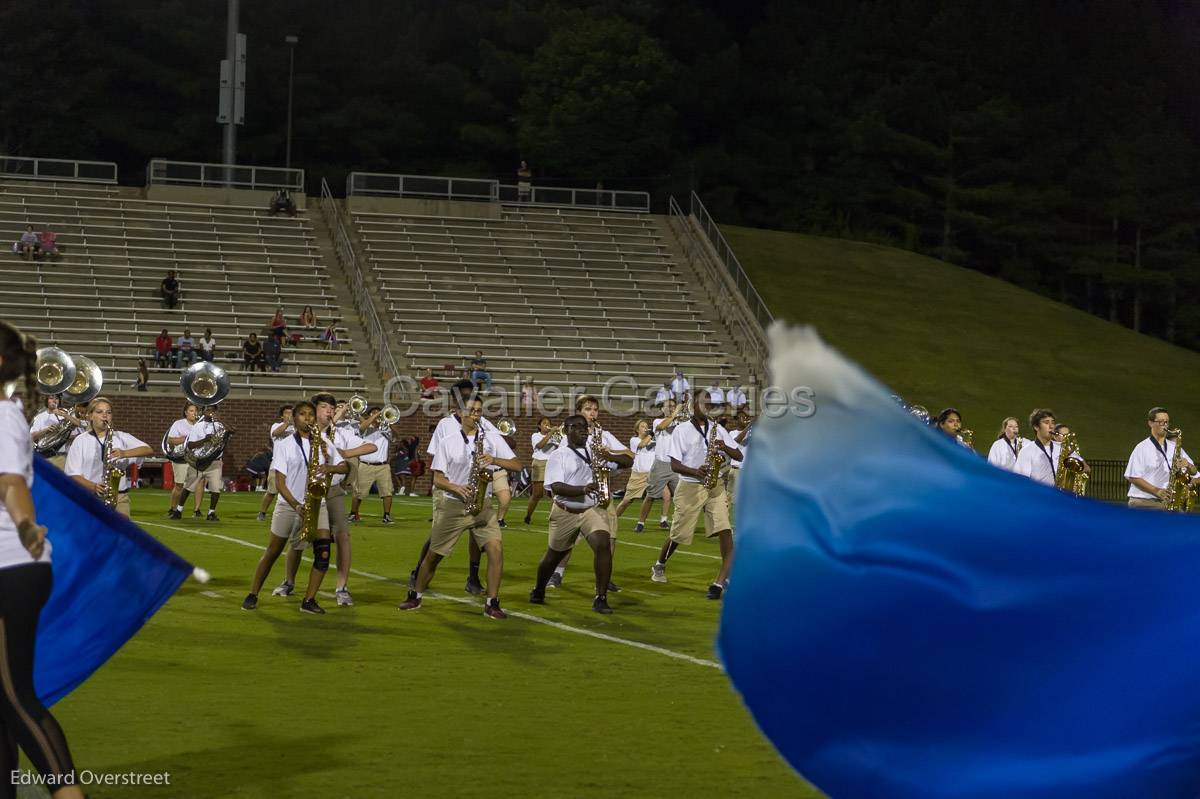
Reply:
x=600, y=471
x=111, y=485
x=316, y=487
x=1070, y=476
x=1180, y=493
x=478, y=479
x=713, y=459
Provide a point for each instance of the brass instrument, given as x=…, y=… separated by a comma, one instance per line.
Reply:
x=87, y=383
x=204, y=385
x=506, y=426
x=556, y=434
x=1069, y=476
x=1181, y=495
x=389, y=415
x=356, y=407
x=56, y=372
x=713, y=458
x=478, y=479
x=111, y=479
x=966, y=437
x=600, y=471
x=317, y=485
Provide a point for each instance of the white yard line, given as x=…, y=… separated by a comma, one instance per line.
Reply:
x=712, y=664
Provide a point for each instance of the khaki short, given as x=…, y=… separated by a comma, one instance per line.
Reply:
x=369, y=474
x=209, y=479
x=122, y=507
x=285, y=523
x=537, y=472
x=184, y=475
x=451, y=520
x=1153, y=504
x=731, y=485
x=636, y=487
x=690, y=500
x=59, y=460
x=339, y=517
x=499, y=481
x=565, y=526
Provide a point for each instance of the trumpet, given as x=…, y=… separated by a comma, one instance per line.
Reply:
x=556, y=434
x=389, y=415
x=506, y=426
x=356, y=407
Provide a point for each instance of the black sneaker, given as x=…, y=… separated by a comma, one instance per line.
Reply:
x=537, y=596
x=714, y=591
x=503, y=523
x=311, y=606
x=639, y=527
x=664, y=525
x=526, y=520
x=473, y=586
x=174, y=514
x=262, y=517
x=600, y=605
x=195, y=514
x=213, y=517
x=613, y=588
x=250, y=602
x=387, y=518
x=555, y=581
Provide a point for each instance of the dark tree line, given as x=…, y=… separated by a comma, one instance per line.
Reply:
x=1051, y=144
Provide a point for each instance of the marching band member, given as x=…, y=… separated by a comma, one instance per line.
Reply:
x=544, y=444
x=570, y=481
x=662, y=482
x=183, y=472
x=87, y=461
x=1039, y=459
x=641, y=444
x=289, y=472
x=374, y=469
x=1061, y=431
x=211, y=477
x=500, y=489
x=740, y=432
x=281, y=428
x=950, y=422
x=452, y=474
x=50, y=417
x=1007, y=445
x=1149, y=467
x=25, y=582
x=689, y=450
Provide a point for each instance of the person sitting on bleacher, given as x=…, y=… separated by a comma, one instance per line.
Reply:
x=207, y=346
x=48, y=243
x=282, y=201
x=164, y=350
x=187, y=348
x=329, y=337
x=479, y=373
x=27, y=246
x=169, y=289
x=273, y=350
x=429, y=385
x=252, y=354
x=143, y=378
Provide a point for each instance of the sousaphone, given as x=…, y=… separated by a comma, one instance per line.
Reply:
x=204, y=385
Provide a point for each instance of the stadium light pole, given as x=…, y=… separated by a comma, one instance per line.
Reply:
x=292, y=42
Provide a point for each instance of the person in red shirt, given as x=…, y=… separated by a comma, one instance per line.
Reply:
x=429, y=385
x=49, y=243
x=164, y=350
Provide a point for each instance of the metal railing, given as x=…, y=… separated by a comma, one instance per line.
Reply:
x=1107, y=481
x=602, y=199
x=377, y=335
x=160, y=172
x=725, y=253
x=14, y=166
x=749, y=335
x=378, y=184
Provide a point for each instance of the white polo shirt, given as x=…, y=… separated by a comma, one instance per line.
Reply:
x=570, y=466
x=291, y=459
x=690, y=445
x=455, y=452
x=539, y=454
x=380, y=455
x=345, y=438
x=16, y=457
x=643, y=457
x=453, y=424
x=181, y=427
x=1039, y=463
x=83, y=458
x=662, y=441
x=291, y=428
x=735, y=397
x=611, y=443
x=716, y=396
x=1003, y=454
x=1152, y=464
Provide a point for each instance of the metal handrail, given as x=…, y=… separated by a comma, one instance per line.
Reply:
x=161, y=172
x=758, y=308
x=602, y=199
x=15, y=166
x=344, y=247
x=381, y=184
x=734, y=313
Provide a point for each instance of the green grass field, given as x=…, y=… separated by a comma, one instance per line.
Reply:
x=943, y=335
x=368, y=701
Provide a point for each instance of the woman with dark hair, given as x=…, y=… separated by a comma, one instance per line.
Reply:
x=544, y=443
x=25, y=581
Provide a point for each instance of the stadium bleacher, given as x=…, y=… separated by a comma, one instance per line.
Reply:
x=236, y=265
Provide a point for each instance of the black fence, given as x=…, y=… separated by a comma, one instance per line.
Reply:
x=1108, y=482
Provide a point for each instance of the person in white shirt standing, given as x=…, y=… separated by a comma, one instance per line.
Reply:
x=689, y=450
x=182, y=471
x=452, y=469
x=281, y=428
x=374, y=469
x=680, y=385
x=1149, y=467
x=735, y=398
x=1008, y=445
x=87, y=460
x=211, y=477
x=570, y=480
x=1039, y=458
x=641, y=444
x=544, y=443
x=48, y=420
x=25, y=583
x=662, y=481
x=716, y=397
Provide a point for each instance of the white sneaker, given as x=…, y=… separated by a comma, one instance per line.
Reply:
x=658, y=573
x=402, y=491
x=343, y=597
x=283, y=589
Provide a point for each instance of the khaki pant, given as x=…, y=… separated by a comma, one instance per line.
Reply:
x=499, y=481
x=451, y=520
x=184, y=475
x=1153, y=504
x=731, y=485
x=286, y=523
x=339, y=517
x=537, y=472
x=691, y=500
x=123, y=507
x=636, y=487
x=210, y=478
x=59, y=460
x=368, y=474
x=565, y=526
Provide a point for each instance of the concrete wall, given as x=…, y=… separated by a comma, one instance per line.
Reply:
x=398, y=205
x=217, y=196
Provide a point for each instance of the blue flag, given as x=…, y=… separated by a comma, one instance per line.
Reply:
x=906, y=621
x=109, y=578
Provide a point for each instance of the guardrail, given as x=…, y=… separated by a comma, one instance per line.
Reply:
x=749, y=334
x=758, y=308
x=1107, y=481
x=376, y=332
x=15, y=166
x=160, y=172
x=601, y=199
x=379, y=184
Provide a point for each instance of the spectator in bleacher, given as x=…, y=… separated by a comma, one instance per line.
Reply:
x=273, y=350
x=252, y=354
x=206, y=347
x=282, y=201
x=480, y=376
x=524, y=182
x=187, y=348
x=329, y=337
x=715, y=395
x=429, y=385
x=680, y=386
x=308, y=319
x=735, y=397
x=529, y=396
x=27, y=246
x=663, y=394
x=164, y=350
x=278, y=325
x=169, y=289
x=143, y=378
x=48, y=242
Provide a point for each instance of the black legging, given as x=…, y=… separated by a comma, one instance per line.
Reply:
x=24, y=720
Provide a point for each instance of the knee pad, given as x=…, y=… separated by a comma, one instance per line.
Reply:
x=321, y=550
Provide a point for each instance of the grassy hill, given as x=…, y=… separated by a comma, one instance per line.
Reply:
x=942, y=335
